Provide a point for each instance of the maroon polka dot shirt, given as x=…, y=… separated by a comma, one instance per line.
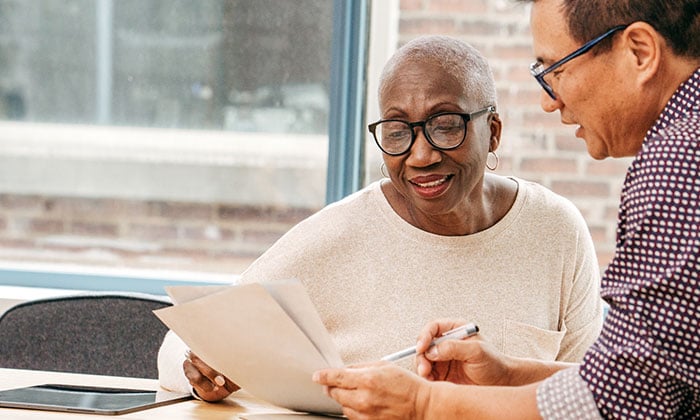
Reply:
x=645, y=363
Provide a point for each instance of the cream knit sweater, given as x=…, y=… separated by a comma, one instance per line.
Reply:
x=530, y=282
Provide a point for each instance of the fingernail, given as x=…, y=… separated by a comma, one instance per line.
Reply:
x=315, y=377
x=219, y=380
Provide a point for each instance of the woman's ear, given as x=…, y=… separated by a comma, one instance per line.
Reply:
x=645, y=47
x=495, y=125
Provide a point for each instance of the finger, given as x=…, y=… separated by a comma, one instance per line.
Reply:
x=337, y=377
x=351, y=414
x=231, y=386
x=354, y=406
x=194, y=373
x=327, y=377
x=423, y=366
x=343, y=396
x=196, y=378
x=226, y=383
x=327, y=391
x=203, y=387
x=214, y=377
x=433, y=330
x=426, y=336
x=203, y=367
x=461, y=350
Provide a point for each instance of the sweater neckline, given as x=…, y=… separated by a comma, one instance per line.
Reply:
x=397, y=223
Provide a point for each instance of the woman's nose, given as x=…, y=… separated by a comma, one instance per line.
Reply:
x=422, y=153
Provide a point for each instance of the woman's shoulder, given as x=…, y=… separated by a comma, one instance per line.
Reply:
x=537, y=198
x=337, y=228
x=360, y=207
x=360, y=202
x=365, y=196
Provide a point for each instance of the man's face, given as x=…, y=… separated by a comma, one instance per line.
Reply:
x=591, y=90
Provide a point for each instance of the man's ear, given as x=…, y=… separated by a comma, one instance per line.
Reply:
x=645, y=46
x=495, y=125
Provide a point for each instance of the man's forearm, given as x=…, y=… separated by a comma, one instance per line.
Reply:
x=447, y=400
x=525, y=371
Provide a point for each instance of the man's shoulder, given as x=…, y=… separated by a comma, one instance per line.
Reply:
x=685, y=128
x=679, y=140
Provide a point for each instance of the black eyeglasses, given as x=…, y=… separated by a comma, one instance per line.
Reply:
x=444, y=131
x=539, y=72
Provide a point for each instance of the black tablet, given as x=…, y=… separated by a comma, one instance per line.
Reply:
x=86, y=399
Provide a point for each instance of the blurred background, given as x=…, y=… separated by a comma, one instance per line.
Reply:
x=186, y=137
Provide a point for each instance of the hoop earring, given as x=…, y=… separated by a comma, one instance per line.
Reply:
x=495, y=165
x=382, y=169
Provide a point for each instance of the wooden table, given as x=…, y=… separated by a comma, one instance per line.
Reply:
x=238, y=403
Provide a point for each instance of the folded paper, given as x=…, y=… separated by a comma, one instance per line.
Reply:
x=267, y=338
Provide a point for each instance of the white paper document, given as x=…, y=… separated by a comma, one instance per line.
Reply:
x=267, y=338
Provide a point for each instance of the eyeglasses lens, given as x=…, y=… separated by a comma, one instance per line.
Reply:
x=394, y=136
x=445, y=131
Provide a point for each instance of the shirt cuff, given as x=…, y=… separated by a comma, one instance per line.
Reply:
x=565, y=395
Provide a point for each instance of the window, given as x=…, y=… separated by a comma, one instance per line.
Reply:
x=153, y=111
x=237, y=65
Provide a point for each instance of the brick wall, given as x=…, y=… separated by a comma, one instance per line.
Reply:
x=225, y=238
x=167, y=235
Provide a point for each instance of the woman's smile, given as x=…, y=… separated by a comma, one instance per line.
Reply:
x=430, y=186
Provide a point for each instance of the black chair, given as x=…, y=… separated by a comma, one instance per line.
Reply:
x=97, y=333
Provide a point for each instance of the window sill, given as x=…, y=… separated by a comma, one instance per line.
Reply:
x=22, y=281
x=161, y=164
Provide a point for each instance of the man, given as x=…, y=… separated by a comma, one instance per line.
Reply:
x=627, y=73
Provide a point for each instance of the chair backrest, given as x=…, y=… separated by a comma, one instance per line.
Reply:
x=97, y=333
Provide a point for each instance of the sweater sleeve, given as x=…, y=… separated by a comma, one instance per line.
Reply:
x=583, y=314
x=171, y=356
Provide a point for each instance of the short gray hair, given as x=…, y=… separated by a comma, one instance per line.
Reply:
x=457, y=58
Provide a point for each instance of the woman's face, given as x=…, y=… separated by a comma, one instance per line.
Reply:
x=433, y=181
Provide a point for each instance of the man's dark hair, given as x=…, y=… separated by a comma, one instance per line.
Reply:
x=678, y=21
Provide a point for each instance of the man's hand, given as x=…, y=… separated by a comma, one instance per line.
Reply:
x=468, y=361
x=376, y=391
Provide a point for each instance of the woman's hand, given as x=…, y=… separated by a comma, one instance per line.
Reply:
x=468, y=361
x=209, y=384
x=375, y=391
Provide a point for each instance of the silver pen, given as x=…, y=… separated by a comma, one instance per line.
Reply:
x=458, y=333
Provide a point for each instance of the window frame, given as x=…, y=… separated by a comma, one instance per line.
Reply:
x=347, y=108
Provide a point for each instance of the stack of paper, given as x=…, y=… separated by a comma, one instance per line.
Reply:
x=267, y=338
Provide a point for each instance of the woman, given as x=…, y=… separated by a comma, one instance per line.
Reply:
x=437, y=237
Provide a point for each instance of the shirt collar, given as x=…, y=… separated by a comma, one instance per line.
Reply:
x=684, y=101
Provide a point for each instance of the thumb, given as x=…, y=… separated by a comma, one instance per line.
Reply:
x=449, y=350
